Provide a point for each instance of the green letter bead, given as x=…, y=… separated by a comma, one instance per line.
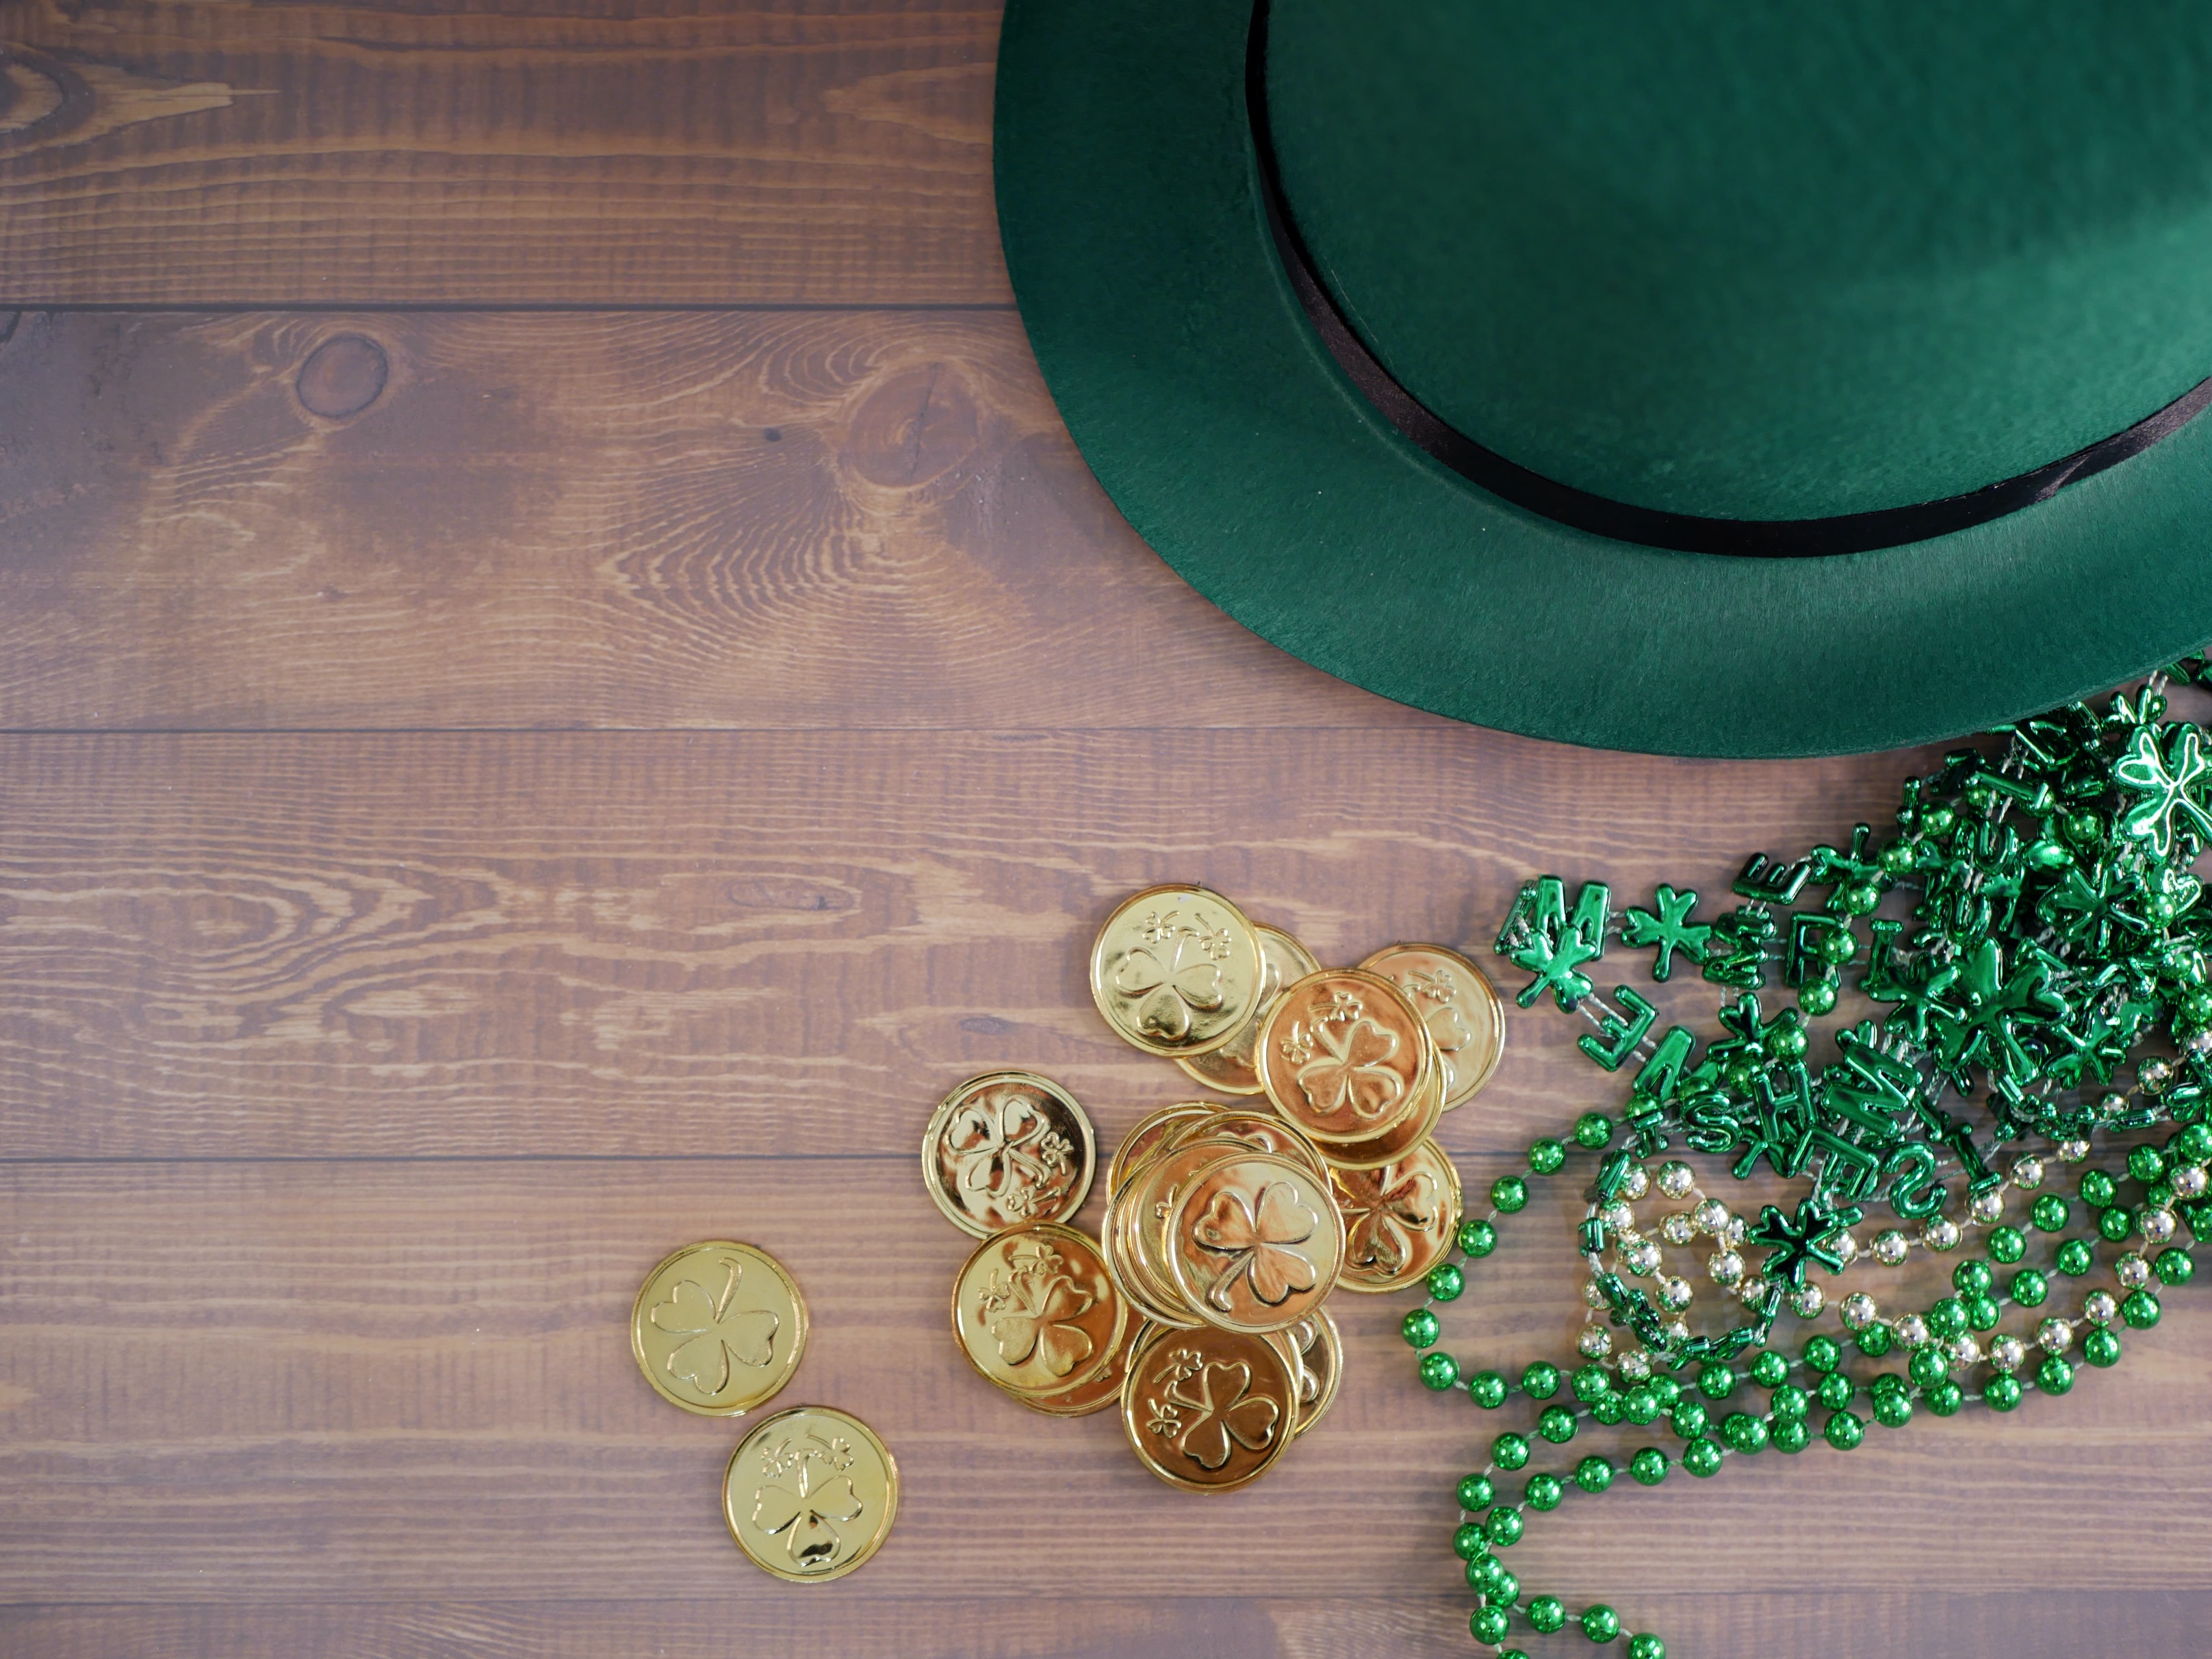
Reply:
x=2174, y=1267
x=2002, y=1393
x=1591, y=1382
x=1502, y=1528
x=1645, y=1645
x=1556, y=1425
x=1543, y=1492
x=1592, y=1131
x=1546, y=1158
x=1445, y=1281
x=2050, y=1213
x=2096, y=1188
x=2076, y=1257
x=1791, y=1435
x=1419, y=1328
x=1509, y=1193
x=1490, y=1625
x=1716, y=1381
x=1467, y=1542
x=1770, y=1369
x=1821, y=1353
x=1689, y=1419
x=1648, y=1467
x=1477, y=1238
x=2007, y=1244
x=1474, y=1491
x=1874, y=1341
x=1616, y=1038
x=1540, y=1381
x=1972, y=1277
x=2146, y=1165
x=1701, y=1457
x=2101, y=1348
x=1439, y=1370
x=1945, y=1399
x=2140, y=1308
x=2115, y=1224
x=1547, y=1613
x=2054, y=1376
x=1843, y=1431
x=1600, y=1622
x=1510, y=1451
x=1593, y=1475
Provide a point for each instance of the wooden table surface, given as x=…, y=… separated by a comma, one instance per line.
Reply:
x=560, y=681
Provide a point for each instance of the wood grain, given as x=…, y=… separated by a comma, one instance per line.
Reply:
x=557, y=152
x=870, y=520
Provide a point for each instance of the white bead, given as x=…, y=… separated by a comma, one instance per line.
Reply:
x=1753, y=1288
x=2157, y=1225
x=1965, y=1351
x=2113, y=1104
x=1637, y=1182
x=2055, y=1335
x=1846, y=1248
x=1675, y=1293
x=1940, y=1235
x=1636, y=1366
x=2132, y=1271
x=2027, y=1173
x=2155, y=1074
x=1808, y=1302
x=1858, y=1310
x=2198, y=1043
x=1592, y=1295
x=1913, y=1331
x=1595, y=1342
x=1677, y=1332
x=1711, y=1216
x=2073, y=1152
x=1726, y=1266
x=1641, y=1257
x=1617, y=1217
x=2188, y=1181
x=2098, y=1308
x=2006, y=1353
x=1987, y=1207
x=1890, y=1246
x=1677, y=1230
x=1734, y=1231
x=1676, y=1178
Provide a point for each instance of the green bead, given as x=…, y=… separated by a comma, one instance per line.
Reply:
x=2030, y=1289
x=2002, y=1393
x=1556, y=1425
x=1487, y=1389
x=1822, y=1354
x=1874, y=1341
x=2101, y=1348
x=1928, y=1368
x=1838, y=947
x=1504, y=1590
x=1606, y=1409
x=1701, y=1457
x=1972, y=1277
x=2054, y=1376
x=2086, y=829
x=1896, y=859
x=1503, y=1527
x=1419, y=1328
x=1546, y=1614
x=1592, y=1131
x=1593, y=1475
x=1947, y=1318
x=1445, y=1281
x=1717, y=1380
x=1937, y=820
x=1689, y=1419
x=1600, y=1622
x=1439, y=1370
x=2174, y=1267
x=1543, y=1492
x=1745, y=1432
x=2115, y=1224
x=1649, y=1466
x=1982, y=1312
x=1816, y=997
x=2146, y=1163
x=1467, y=1542
x=2140, y=1308
x=2075, y=1257
x=1477, y=1238
x=1945, y=1399
x=1836, y=1391
x=1475, y=1491
x=1646, y=1646
x=1510, y=1451
x=1639, y=1406
x=2096, y=1188
x=1490, y=1625
x=1893, y=1408
x=1540, y=1381
x=1666, y=1390
x=1791, y=1435
x=2049, y=1213
x=1843, y=1431
x=1483, y=1571
x=1509, y=1193
x=1591, y=1382
x=2193, y=1143
x=1770, y=1369
x=2008, y=1244
x=1789, y=1400
x=1546, y=1158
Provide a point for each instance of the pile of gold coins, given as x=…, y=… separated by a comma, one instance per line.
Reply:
x=1198, y=1308
x=718, y=1328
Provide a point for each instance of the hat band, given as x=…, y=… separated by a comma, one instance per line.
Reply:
x=1578, y=509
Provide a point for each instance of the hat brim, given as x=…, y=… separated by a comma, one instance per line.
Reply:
x=1201, y=397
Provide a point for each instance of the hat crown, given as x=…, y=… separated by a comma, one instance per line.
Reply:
x=1765, y=261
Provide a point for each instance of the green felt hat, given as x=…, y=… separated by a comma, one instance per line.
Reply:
x=1704, y=378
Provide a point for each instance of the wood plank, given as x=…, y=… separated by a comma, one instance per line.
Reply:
x=769, y=522
x=197, y=152
x=654, y=944
x=281, y=1382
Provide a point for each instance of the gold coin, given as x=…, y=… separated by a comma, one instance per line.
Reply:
x=1230, y=1068
x=810, y=1493
x=1148, y=1133
x=1175, y=971
x=1257, y=1128
x=1343, y=1055
x=1459, y=1006
x=1034, y=1309
x=1117, y=1244
x=1103, y=1388
x=717, y=1328
x=1006, y=1148
x=1255, y=1243
x=1398, y=1219
x=1320, y=1349
x=1395, y=1143
x=1157, y=1193
x=1209, y=1410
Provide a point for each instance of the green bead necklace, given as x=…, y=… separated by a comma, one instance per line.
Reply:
x=2053, y=933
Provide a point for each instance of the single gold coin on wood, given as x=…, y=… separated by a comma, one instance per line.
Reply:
x=1035, y=1309
x=1255, y=1243
x=1230, y=1068
x=1398, y=1219
x=1320, y=1349
x=1006, y=1148
x=1175, y=971
x=1459, y=1006
x=1344, y=1056
x=811, y=1493
x=1209, y=1410
x=717, y=1328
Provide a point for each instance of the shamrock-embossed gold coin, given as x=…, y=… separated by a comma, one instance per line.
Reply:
x=810, y=1493
x=1257, y=1127
x=1320, y=1349
x=1343, y=1055
x=1395, y=1142
x=1459, y=1006
x=1398, y=1219
x=1006, y=1148
x=1149, y=1131
x=1255, y=1243
x=1103, y=1388
x=1209, y=1410
x=1035, y=1309
x=1230, y=1068
x=717, y=1328
x=1177, y=970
